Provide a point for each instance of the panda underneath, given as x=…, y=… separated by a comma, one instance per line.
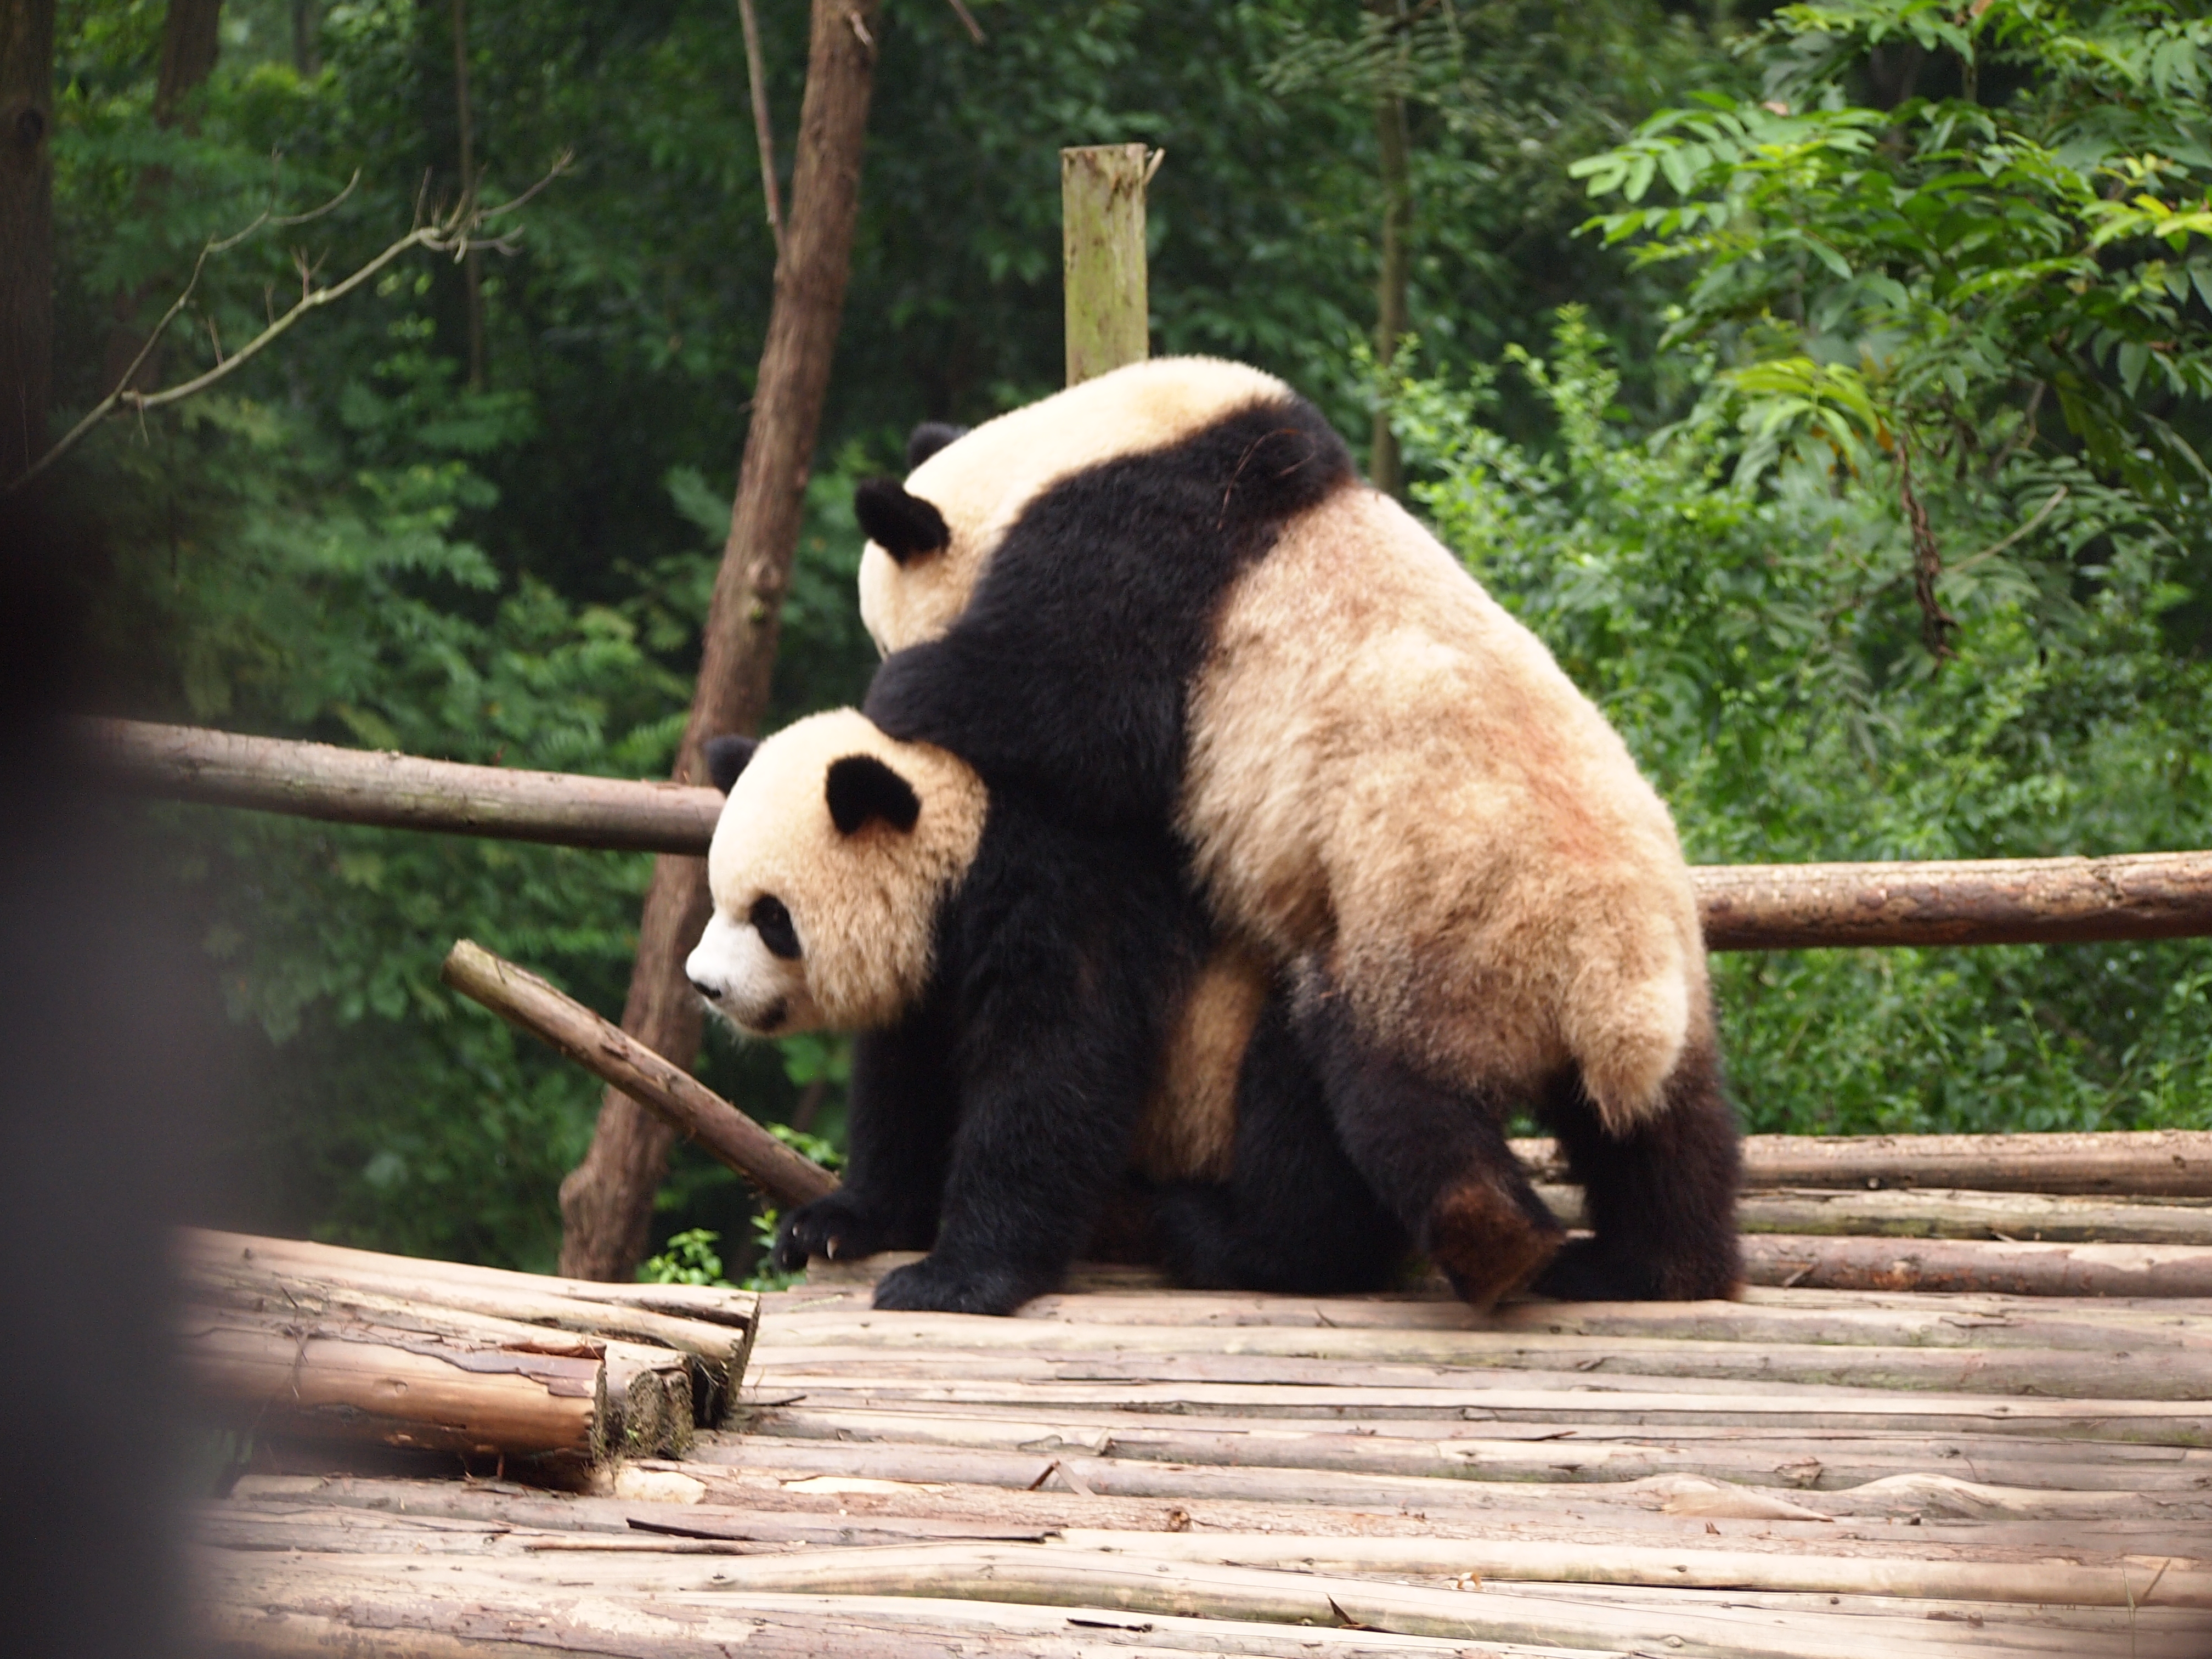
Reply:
x=1018, y=987
x=1162, y=603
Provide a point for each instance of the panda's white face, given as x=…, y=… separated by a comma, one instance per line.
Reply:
x=833, y=854
x=981, y=483
x=752, y=970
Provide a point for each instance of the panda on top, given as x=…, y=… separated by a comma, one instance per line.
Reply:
x=1164, y=601
x=1031, y=1025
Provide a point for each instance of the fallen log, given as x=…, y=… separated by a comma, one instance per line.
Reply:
x=344, y=1378
x=404, y=792
x=605, y=1049
x=1745, y=907
x=1756, y=907
x=2183, y=1583
x=271, y=1606
x=649, y=1405
x=713, y=1334
x=2140, y=1164
x=1913, y=1212
x=2012, y=1269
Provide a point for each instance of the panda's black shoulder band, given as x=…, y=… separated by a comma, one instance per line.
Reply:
x=903, y=525
x=861, y=788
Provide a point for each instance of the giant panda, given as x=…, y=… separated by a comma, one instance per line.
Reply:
x=1164, y=599
x=1030, y=1023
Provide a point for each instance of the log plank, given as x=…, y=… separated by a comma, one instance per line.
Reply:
x=346, y=1380
x=1744, y=907
x=2138, y=1163
x=604, y=1048
x=404, y=792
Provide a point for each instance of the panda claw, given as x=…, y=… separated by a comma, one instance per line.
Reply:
x=935, y=1285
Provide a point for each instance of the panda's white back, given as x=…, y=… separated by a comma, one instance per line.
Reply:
x=983, y=481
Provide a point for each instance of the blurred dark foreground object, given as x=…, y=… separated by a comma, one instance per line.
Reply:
x=106, y=1059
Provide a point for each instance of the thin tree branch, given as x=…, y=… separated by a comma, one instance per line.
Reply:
x=967, y=17
x=757, y=81
x=455, y=232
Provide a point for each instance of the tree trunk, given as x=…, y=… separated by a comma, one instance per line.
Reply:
x=26, y=214
x=191, y=40
x=1383, y=466
x=307, y=38
x=471, y=262
x=606, y=1202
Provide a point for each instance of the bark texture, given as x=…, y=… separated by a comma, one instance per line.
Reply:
x=27, y=230
x=1102, y=205
x=606, y=1202
x=192, y=39
x=679, y=1100
x=404, y=792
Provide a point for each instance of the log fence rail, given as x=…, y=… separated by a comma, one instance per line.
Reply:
x=1745, y=907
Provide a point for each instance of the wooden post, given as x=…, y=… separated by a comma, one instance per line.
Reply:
x=27, y=276
x=1102, y=204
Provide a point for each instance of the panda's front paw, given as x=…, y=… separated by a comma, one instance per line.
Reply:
x=934, y=1285
x=834, y=1227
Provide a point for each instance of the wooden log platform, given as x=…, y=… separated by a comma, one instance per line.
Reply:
x=1128, y=1469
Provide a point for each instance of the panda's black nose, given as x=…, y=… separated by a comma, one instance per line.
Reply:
x=712, y=993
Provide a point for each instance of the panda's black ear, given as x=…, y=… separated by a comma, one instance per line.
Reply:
x=925, y=440
x=903, y=525
x=727, y=757
x=861, y=788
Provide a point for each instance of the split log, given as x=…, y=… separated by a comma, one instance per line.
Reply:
x=1763, y=1315
x=1063, y=1578
x=403, y=791
x=345, y=1379
x=2181, y=1374
x=2182, y=1583
x=1752, y=906
x=2144, y=1163
x=672, y=1093
x=648, y=1394
x=263, y=1606
x=1918, y=1212
x=714, y=1332
x=1498, y=1472
x=1885, y=1264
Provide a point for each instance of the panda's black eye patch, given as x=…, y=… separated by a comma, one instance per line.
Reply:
x=773, y=923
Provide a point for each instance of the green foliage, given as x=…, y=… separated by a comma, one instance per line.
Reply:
x=1754, y=640
x=688, y=1258
x=1928, y=275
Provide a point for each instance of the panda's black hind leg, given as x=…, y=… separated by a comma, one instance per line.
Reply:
x=1661, y=1199
x=1436, y=1156
x=1295, y=1216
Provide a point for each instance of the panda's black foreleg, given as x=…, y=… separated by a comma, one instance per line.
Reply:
x=1100, y=747
x=1436, y=1156
x=1661, y=1199
x=1295, y=1216
x=1067, y=955
x=899, y=1114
